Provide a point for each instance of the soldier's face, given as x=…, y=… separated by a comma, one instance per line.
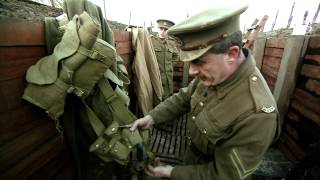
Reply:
x=162, y=32
x=212, y=69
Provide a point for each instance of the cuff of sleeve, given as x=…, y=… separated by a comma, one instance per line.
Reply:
x=177, y=173
x=153, y=114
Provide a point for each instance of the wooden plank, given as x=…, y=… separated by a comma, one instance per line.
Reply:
x=273, y=62
x=166, y=147
x=66, y=173
x=293, y=146
x=291, y=131
x=156, y=143
x=120, y=36
x=123, y=44
x=286, y=151
x=274, y=52
x=312, y=58
x=20, y=147
x=313, y=116
x=276, y=42
x=314, y=42
x=270, y=71
x=177, y=146
x=10, y=94
x=37, y=159
x=172, y=145
x=54, y=167
x=162, y=142
x=288, y=72
x=270, y=81
x=15, y=122
x=311, y=71
x=313, y=86
x=124, y=50
x=127, y=60
x=252, y=36
x=11, y=31
x=308, y=100
x=258, y=51
x=292, y=116
x=15, y=61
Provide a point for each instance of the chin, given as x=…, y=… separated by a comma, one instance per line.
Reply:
x=206, y=84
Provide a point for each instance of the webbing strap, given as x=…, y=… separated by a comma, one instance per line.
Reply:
x=120, y=110
x=84, y=51
x=95, y=122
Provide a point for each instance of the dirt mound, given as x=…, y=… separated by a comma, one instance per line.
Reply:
x=36, y=12
x=26, y=10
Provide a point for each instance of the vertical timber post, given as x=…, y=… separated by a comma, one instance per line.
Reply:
x=258, y=51
x=289, y=69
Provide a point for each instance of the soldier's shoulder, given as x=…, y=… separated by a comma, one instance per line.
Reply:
x=261, y=94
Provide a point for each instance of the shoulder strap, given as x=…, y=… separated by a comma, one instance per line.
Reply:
x=119, y=109
x=95, y=122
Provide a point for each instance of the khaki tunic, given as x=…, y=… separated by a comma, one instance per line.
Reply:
x=167, y=55
x=230, y=125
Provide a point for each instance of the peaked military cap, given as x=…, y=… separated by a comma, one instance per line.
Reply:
x=198, y=33
x=163, y=23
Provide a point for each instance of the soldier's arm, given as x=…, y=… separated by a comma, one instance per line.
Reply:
x=237, y=157
x=174, y=106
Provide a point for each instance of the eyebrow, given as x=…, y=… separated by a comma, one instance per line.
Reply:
x=197, y=61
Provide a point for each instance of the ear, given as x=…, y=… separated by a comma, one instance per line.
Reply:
x=234, y=52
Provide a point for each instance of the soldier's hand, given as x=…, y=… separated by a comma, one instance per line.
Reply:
x=157, y=170
x=144, y=123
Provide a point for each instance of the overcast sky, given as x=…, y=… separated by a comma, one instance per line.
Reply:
x=145, y=12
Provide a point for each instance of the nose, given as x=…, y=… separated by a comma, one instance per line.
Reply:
x=193, y=69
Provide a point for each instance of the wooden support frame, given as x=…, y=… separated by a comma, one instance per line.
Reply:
x=289, y=70
x=258, y=51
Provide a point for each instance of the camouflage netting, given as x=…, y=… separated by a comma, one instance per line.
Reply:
x=35, y=12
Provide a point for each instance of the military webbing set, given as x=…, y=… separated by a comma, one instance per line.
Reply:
x=80, y=65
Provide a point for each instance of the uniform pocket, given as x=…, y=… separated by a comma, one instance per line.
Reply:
x=208, y=127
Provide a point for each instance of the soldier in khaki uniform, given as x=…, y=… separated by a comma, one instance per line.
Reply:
x=167, y=55
x=233, y=117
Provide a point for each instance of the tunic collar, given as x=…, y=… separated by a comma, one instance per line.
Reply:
x=243, y=72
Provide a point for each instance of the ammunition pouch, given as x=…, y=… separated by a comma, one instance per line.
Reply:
x=116, y=142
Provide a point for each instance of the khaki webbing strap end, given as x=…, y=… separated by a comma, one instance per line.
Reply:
x=121, y=113
x=92, y=54
x=96, y=124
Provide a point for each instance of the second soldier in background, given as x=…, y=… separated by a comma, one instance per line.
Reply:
x=167, y=55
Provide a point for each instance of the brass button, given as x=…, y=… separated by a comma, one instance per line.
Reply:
x=97, y=145
x=113, y=129
x=115, y=150
x=201, y=104
x=193, y=117
x=254, y=78
x=204, y=131
x=129, y=147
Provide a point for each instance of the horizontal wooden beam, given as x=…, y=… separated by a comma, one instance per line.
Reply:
x=276, y=42
x=21, y=33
